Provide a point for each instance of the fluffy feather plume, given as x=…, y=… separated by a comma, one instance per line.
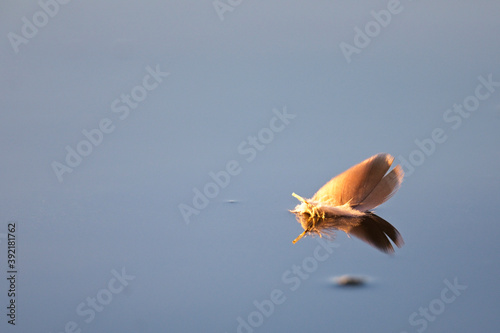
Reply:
x=344, y=203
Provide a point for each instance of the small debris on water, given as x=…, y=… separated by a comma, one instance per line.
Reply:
x=350, y=280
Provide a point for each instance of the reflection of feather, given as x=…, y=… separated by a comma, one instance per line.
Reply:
x=344, y=203
x=369, y=227
x=376, y=231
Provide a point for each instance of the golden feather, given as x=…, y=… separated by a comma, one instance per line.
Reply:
x=344, y=203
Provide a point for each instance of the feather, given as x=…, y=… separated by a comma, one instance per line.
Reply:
x=387, y=187
x=344, y=203
x=355, y=184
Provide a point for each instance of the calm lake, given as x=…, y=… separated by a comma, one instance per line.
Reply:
x=150, y=153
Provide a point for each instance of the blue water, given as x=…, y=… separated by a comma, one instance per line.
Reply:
x=106, y=247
